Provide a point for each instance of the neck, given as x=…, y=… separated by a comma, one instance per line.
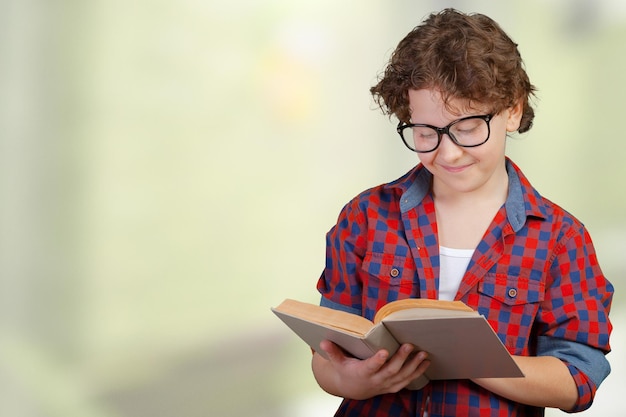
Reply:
x=494, y=191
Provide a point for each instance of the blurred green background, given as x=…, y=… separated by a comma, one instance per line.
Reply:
x=168, y=171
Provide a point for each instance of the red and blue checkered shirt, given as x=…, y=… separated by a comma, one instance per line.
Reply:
x=534, y=276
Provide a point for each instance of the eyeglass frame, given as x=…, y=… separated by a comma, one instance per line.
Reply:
x=441, y=130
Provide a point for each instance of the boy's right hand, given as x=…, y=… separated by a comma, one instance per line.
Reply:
x=358, y=379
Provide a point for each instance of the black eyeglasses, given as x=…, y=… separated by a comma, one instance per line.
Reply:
x=467, y=132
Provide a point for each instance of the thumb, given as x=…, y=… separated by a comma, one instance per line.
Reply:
x=334, y=352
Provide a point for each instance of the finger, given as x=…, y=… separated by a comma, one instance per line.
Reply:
x=398, y=360
x=419, y=362
x=414, y=367
x=418, y=357
x=417, y=365
x=423, y=366
x=405, y=364
x=334, y=352
x=376, y=362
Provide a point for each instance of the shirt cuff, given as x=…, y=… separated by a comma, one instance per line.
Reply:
x=588, y=365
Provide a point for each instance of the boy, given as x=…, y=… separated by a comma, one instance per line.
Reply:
x=465, y=224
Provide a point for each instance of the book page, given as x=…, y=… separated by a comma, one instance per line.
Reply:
x=421, y=303
x=326, y=316
x=427, y=313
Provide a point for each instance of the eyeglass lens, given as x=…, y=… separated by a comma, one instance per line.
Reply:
x=465, y=132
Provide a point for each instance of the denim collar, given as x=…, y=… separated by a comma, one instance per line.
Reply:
x=418, y=183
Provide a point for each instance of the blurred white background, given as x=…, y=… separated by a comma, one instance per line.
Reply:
x=169, y=169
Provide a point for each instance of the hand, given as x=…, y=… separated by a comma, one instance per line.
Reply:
x=358, y=379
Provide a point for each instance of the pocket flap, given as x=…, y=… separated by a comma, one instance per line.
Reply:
x=512, y=290
x=387, y=267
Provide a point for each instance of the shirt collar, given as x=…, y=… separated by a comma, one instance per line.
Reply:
x=522, y=201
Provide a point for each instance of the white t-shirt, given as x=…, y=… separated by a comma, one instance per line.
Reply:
x=452, y=266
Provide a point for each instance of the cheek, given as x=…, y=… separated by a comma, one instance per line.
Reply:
x=499, y=130
x=426, y=158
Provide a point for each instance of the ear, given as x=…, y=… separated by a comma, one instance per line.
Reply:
x=515, y=117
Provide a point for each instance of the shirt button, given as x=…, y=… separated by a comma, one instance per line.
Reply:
x=512, y=292
x=394, y=272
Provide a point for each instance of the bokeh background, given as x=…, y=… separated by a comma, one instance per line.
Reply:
x=169, y=168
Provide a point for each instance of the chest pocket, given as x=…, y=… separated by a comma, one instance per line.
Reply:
x=387, y=275
x=512, y=291
x=511, y=304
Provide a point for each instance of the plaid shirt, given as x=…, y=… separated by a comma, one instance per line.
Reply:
x=534, y=276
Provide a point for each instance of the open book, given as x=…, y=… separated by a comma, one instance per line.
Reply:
x=460, y=342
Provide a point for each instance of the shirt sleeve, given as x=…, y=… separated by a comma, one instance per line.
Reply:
x=586, y=389
x=340, y=283
x=574, y=321
x=588, y=366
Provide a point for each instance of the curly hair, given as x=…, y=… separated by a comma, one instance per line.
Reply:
x=464, y=56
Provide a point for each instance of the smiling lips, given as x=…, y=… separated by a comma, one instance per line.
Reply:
x=455, y=169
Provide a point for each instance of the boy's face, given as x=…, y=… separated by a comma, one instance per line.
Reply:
x=459, y=169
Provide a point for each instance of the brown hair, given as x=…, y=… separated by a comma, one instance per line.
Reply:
x=464, y=57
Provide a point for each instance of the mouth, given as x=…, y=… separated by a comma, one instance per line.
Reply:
x=455, y=169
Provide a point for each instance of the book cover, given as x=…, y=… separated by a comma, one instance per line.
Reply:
x=460, y=342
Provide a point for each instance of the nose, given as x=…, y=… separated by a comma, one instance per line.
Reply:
x=448, y=149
